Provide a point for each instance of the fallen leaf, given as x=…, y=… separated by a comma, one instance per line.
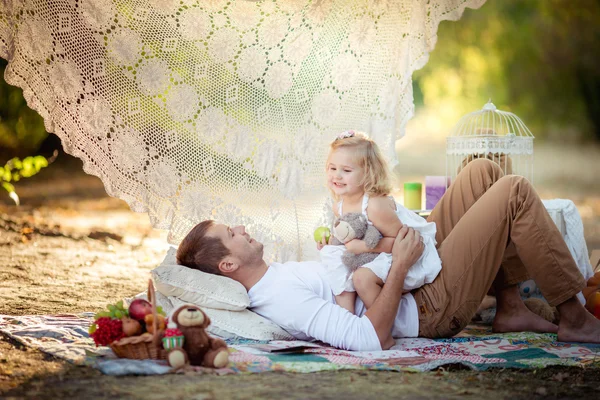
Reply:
x=542, y=391
x=561, y=376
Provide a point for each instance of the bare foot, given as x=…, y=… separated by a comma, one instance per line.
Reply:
x=577, y=324
x=520, y=319
x=388, y=343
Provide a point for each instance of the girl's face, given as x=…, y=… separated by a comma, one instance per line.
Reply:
x=344, y=175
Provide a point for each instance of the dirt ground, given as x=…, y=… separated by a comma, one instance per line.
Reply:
x=71, y=248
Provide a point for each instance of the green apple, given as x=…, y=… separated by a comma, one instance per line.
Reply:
x=322, y=232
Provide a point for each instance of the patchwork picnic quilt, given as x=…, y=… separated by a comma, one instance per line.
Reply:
x=476, y=347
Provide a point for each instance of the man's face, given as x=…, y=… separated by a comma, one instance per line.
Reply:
x=244, y=250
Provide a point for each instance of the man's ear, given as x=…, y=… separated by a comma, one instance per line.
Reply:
x=228, y=265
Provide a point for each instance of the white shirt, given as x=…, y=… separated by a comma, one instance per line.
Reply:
x=297, y=297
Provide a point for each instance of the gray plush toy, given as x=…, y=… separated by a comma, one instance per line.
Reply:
x=354, y=226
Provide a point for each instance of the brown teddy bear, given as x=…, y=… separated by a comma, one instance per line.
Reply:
x=198, y=348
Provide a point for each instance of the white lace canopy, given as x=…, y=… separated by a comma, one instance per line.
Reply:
x=196, y=109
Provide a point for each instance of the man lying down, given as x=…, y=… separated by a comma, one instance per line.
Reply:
x=297, y=297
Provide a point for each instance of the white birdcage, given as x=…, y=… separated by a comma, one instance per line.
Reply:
x=490, y=133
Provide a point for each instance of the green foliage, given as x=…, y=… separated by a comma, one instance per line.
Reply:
x=15, y=169
x=21, y=128
x=536, y=58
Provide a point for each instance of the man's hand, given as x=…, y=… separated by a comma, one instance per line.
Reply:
x=407, y=248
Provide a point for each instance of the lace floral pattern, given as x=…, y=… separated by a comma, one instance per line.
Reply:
x=153, y=77
x=224, y=45
x=252, y=64
x=95, y=114
x=194, y=24
x=98, y=12
x=125, y=46
x=278, y=80
x=192, y=109
x=66, y=79
x=182, y=102
x=35, y=35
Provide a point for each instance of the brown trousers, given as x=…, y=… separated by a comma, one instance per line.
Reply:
x=487, y=221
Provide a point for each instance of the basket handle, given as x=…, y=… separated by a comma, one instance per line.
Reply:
x=152, y=298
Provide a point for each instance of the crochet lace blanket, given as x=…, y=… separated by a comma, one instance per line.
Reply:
x=190, y=109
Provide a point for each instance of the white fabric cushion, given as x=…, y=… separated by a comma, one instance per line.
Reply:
x=197, y=287
x=227, y=324
x=222, y=299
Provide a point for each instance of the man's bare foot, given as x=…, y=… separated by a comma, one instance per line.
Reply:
x=520, y=319
x=388, y=343
x=577, y=324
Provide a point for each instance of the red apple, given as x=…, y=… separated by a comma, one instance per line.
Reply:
x=593, y=303
x=139, y=308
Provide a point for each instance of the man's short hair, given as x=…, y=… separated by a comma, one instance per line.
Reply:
x=202, y=252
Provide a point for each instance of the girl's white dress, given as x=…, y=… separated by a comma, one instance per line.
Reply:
x=427, y=267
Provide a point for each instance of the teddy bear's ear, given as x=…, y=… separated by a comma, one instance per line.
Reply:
x=362, y=218
x=175, y=314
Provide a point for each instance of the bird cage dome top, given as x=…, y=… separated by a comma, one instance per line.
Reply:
x=490, y=130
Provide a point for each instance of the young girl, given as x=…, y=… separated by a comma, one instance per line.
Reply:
x=358, y=179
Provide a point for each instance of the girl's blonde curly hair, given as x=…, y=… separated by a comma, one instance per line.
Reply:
x=376, y=181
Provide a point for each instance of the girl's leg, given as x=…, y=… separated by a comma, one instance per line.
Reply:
x=346, y=300
x=367, y=285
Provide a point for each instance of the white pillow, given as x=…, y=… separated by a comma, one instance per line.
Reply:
x=235, y=324
x=227, y=324
x=224, y=300
x=197, y=287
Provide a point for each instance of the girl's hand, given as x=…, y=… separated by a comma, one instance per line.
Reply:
x=322, y=243
x=356, y=246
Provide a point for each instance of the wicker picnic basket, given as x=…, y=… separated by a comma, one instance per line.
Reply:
x=146, y=345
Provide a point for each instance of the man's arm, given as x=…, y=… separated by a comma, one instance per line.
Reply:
x=406, y=251
x=299, y=309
